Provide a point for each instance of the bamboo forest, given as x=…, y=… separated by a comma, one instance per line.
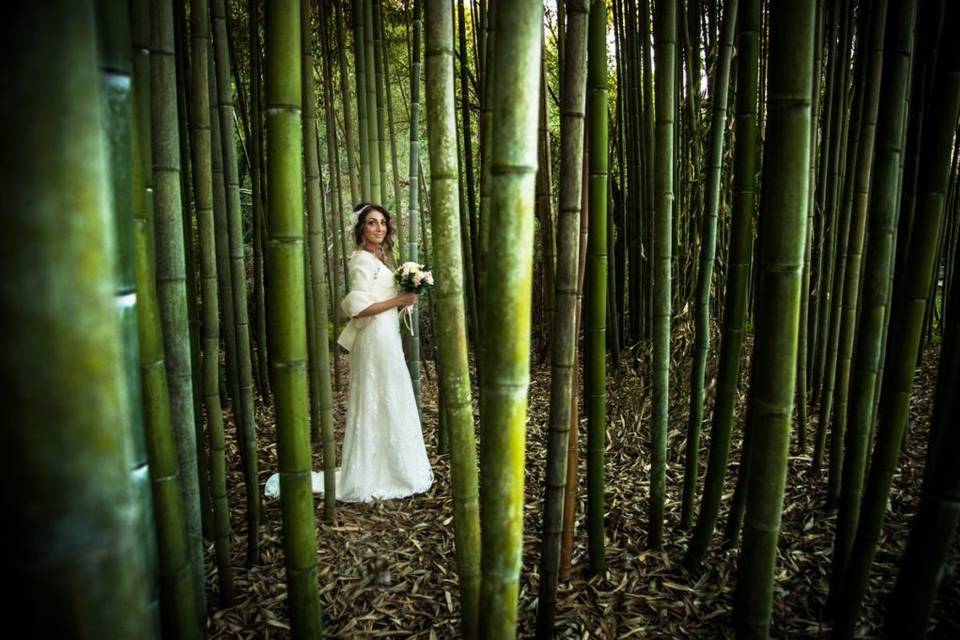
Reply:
x=690, y=368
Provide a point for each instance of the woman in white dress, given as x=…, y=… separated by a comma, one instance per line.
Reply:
x=383, y=453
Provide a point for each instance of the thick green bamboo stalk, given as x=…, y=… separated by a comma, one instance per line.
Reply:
x=320, y=353
x=738, y=270
x=782, y=243
x=243, y=406
x=178, y=600
x=506, y=354
x=203, y=188
x=666, y=88
x=595, y=370
x=70, y=505
x=708, y=249
x=114, y=53
x=451, y=335
x=171, y=272
x=413, y=239
x=563, y=339
x=906, y=322
x=286, y=318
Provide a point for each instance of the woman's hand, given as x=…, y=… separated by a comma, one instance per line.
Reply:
x=406, y=299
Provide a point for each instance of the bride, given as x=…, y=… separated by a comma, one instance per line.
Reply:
x=383, y=453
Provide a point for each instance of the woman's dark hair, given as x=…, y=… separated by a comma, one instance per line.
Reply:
x=362, y=209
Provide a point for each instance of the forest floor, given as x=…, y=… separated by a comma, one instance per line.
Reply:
x=388, y=569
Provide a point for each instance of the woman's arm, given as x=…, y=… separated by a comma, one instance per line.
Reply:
x=385, y=305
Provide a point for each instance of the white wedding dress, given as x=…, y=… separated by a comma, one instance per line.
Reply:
x=383, y=453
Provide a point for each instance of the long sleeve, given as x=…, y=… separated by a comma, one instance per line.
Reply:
x=361, y=296
x=361, y=288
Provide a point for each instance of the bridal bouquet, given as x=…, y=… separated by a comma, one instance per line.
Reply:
x=412, y=277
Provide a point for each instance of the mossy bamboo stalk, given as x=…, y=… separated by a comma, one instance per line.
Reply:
x=506, y=355
x=114, y=56
x=70, y=504
x=171, y=273
x=178, y=602
x=285, y=290
x=451, y=335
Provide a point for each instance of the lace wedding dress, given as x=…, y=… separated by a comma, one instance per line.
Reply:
x=383, y=453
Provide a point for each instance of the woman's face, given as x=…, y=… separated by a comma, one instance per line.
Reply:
x=374, y=228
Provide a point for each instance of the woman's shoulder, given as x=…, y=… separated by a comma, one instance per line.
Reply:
x=361, y=259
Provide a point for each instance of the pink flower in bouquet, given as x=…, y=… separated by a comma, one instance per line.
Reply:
x=412, y=277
